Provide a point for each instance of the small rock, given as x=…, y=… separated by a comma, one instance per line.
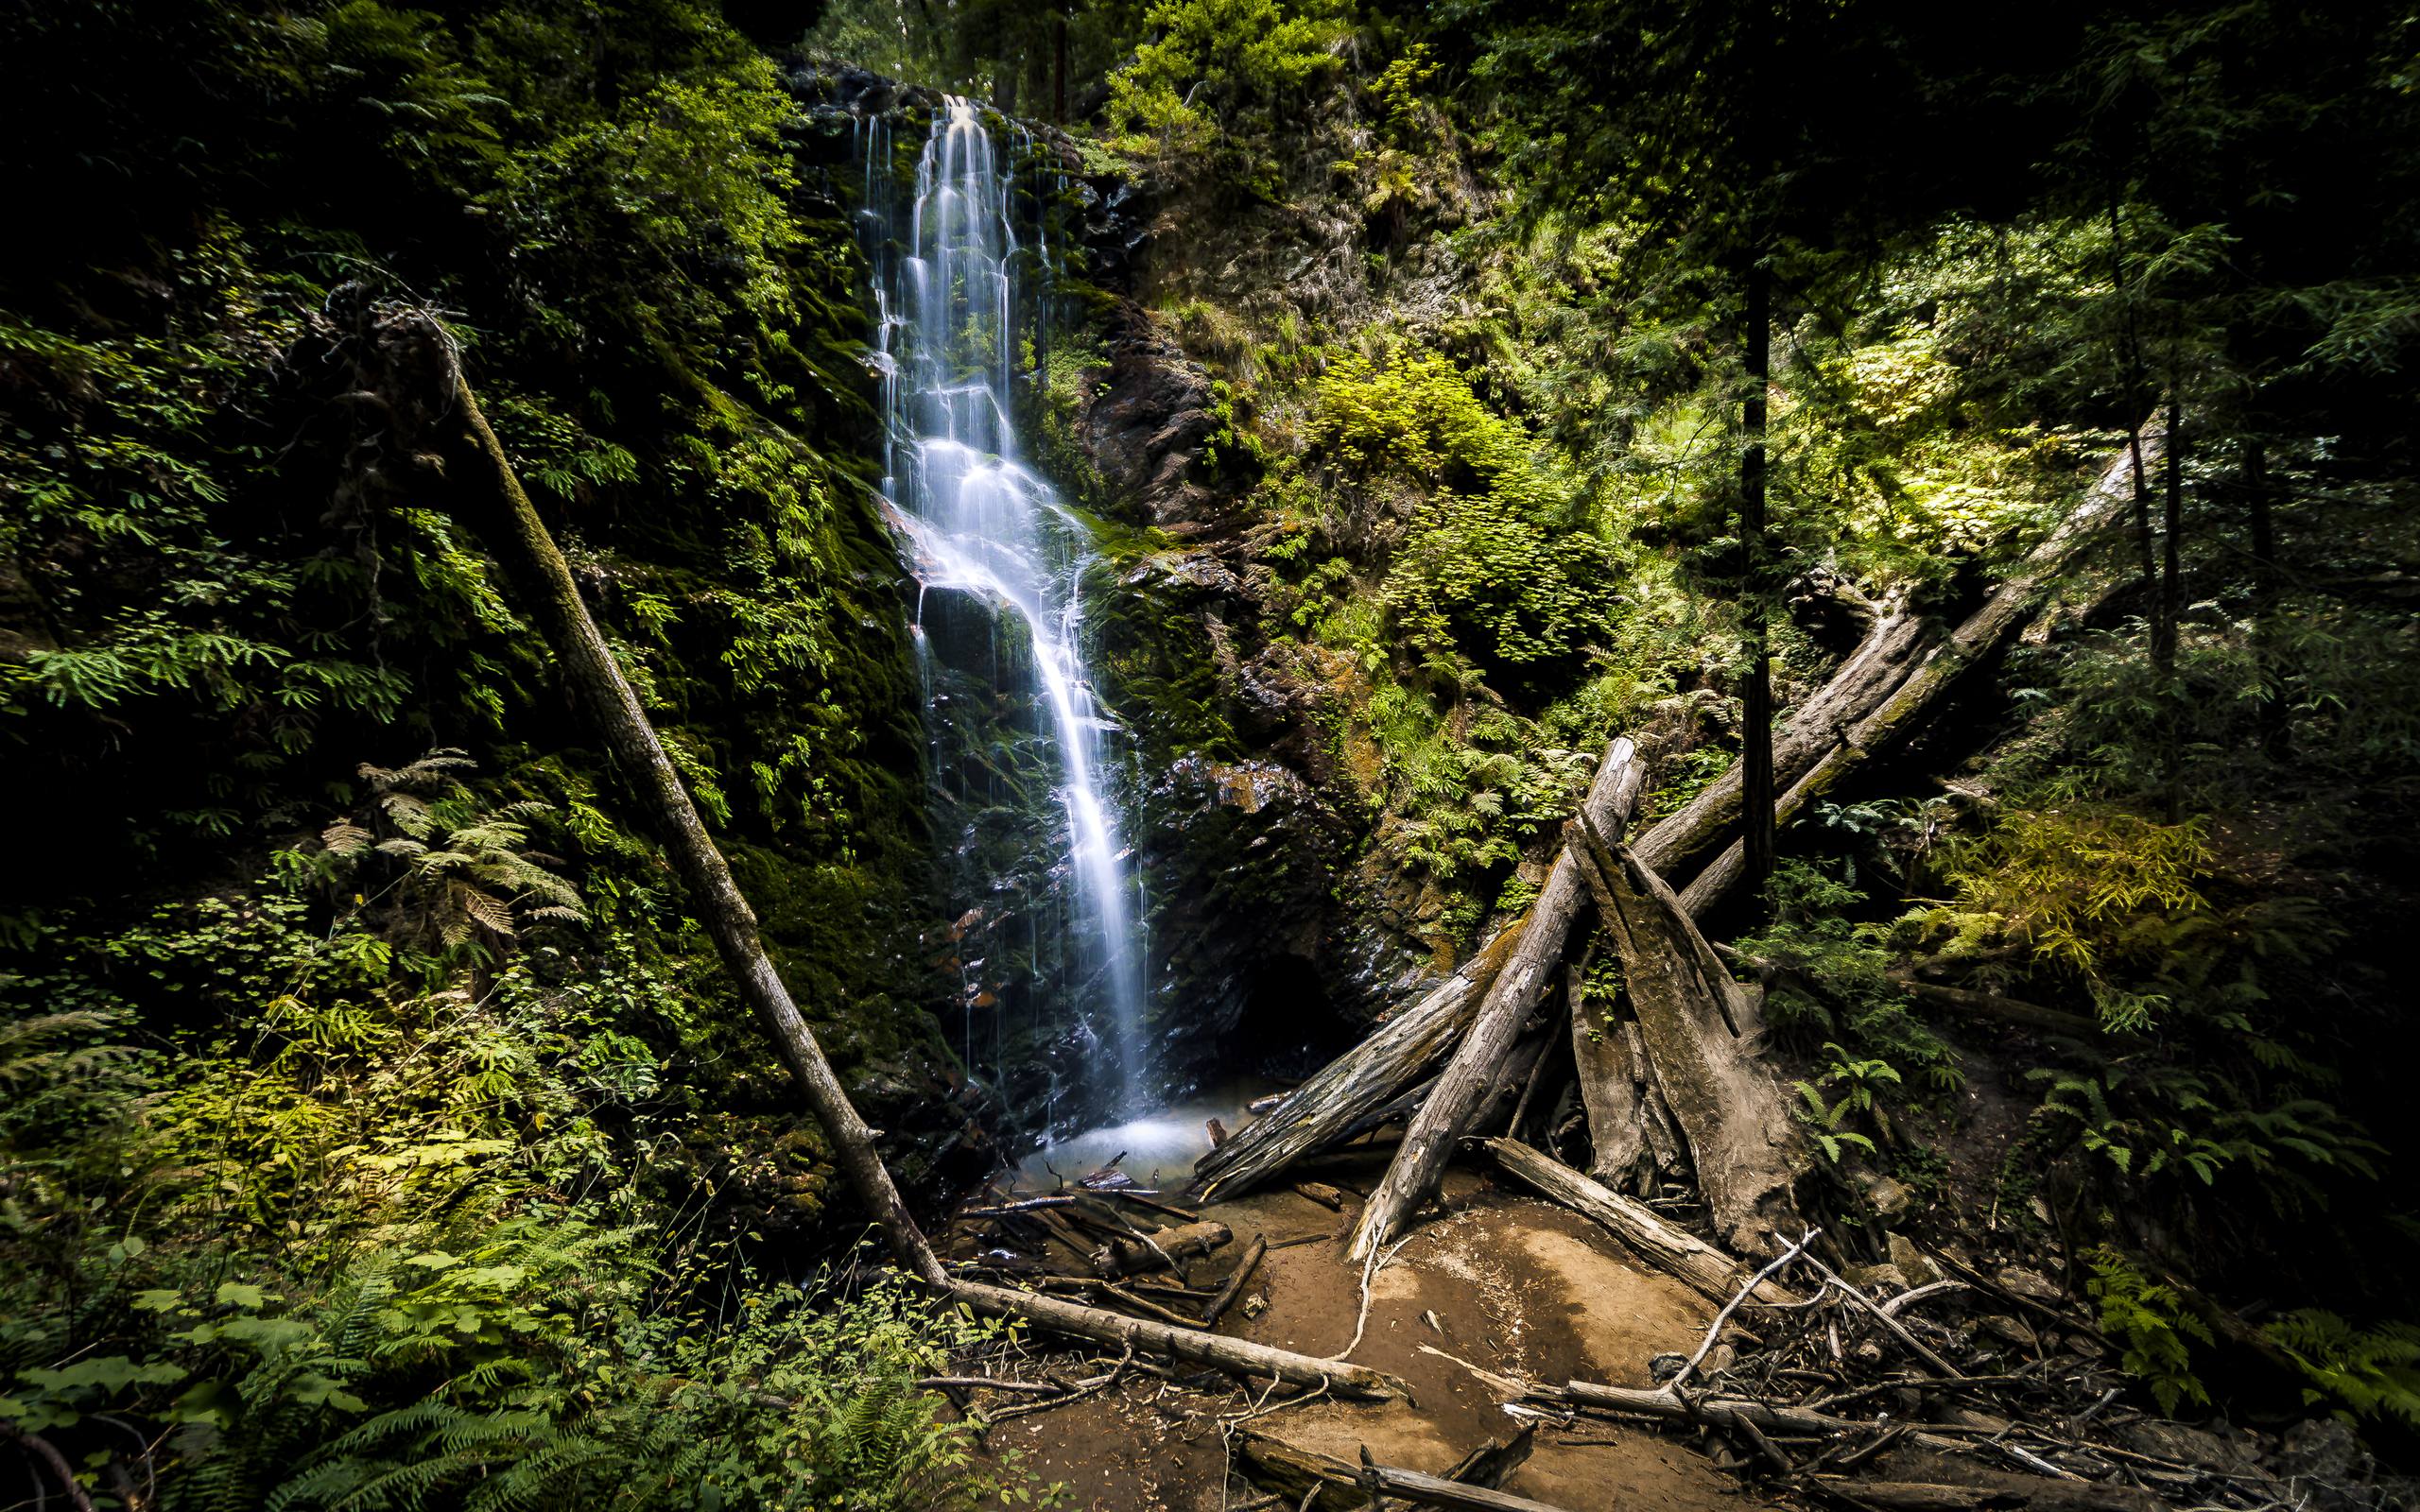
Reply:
x=2030, y=1284
x=1913, y=1263
x=2008, y=1330
x=1869, y=1276
x=1885, y=1196
x=1256, y=1304
x=1665, y=1367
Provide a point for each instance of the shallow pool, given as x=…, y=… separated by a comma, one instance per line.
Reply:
x=1160, y=1147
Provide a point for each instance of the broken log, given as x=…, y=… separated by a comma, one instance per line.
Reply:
x=1412, y=1178
x=1235, y=1282
x=1300, y=1469
x=1238, y=1357
x=1320, y=1192
x=1610, y=1093
x=2011, y=1493
x=1742, y=1142
x=408, y=351
x=1678, y=1253
x=1334, y=1105
x=1897, y=673
x=1132, y=1256
x=2012, y=1010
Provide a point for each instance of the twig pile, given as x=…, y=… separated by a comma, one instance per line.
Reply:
x=1960, y=1366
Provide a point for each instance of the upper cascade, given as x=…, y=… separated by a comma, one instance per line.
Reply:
x=947, y=294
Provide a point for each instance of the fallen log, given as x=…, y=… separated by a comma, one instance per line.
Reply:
x=2008, y=1494
x=1218, y=1351
x=1675, y=1251
x=1334, y=1105
x=1742, y=1142
x=1320, y=1192
x=1611, y=1094
x=1897, y=673
x=1412, y=1178
x=1145, y=1252
x=1343, y=1485
x=1235, y=1282
x=405, y=353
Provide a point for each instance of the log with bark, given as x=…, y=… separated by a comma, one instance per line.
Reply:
x=1895, y=676
x=1700, y=1031
x=1330, y=1107
x=405, y=352
x=1327, y=1481
x=1675, y=1251
x=1476, y=1063
x=1164, y=1249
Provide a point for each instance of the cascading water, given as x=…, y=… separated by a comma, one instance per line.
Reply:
x=983, y=525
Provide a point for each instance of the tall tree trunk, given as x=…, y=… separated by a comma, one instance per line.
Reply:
x=1059, y=69
x=1756, y=716
x=1411, y=1178
x=2267, y=577
x=2130, y=339
x=2172, y=605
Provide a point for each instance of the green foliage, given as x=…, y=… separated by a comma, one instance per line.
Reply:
x=2369, y=1372
x=1215, y=76
x=2153, y=1327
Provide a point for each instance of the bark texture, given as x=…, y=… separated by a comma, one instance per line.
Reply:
x=1702, y=1039
x=1527, y=975
x=1675, y=1251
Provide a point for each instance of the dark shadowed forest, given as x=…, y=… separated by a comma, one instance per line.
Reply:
x=1209, y=755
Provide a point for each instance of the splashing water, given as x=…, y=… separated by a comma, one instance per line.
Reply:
x=982, y=524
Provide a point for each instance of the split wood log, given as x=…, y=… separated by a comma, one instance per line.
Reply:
x=1132, y=1256
x=413, y=351
x=1742, y=1142
x=1611, y=1094
x=1320, y=1192
x=1493, y=1462
x=1675, y=1251
x=1235, y=1282
x=1238, y=1357
x=2007, y=1494
x=1412, y=1178
x=1343, y=1485
x=1897, y=673
x=1334, y=1105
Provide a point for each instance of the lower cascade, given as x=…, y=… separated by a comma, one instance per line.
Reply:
x=1049, y=944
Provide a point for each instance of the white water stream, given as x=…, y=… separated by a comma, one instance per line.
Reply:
x=983, y=523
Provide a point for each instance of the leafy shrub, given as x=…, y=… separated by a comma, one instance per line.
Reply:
x=2153, y=1327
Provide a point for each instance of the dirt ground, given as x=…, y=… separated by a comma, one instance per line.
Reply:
x=1498, y=1282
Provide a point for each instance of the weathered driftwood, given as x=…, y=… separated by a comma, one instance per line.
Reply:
x=1217, y=1350
x=1235, y=1282
x=1412, y=1178
x=2011, y=1493
x=409, y=350
x=1344, y=1485
x=1675, y=1251
x=1332, y=1105
x=1146, y=1252
x=1897, y=673
x=1742, y=1144
x=1612, y=1089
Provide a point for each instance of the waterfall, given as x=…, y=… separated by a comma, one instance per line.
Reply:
x=981, y=522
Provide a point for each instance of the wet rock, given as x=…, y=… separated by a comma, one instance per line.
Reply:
x=2030, y=1284
x=1887, y=1197
x=1869, y=1276
x=1144, y=424
x=1913, y=1263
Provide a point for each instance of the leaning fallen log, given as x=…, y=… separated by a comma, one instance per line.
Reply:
x=405, y=355
x=1675, y=1251
x=1698, y=1028
x=1895, y=676
x=1527, y=973
x=1164, y=1249
x=1235, y=1356
x=1336, y=1104
x=1327, y=1481
x=2011, y=1493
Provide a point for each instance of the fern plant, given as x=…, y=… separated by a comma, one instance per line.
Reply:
x=466, y=871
